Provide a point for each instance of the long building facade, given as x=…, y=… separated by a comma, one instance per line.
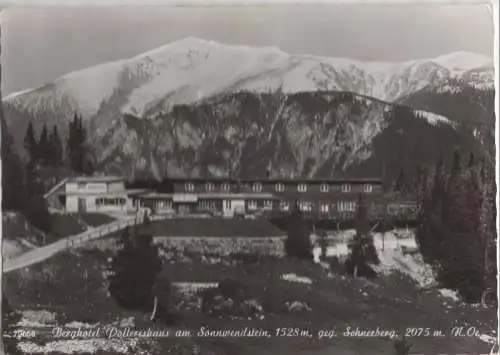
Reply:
x=229, y=198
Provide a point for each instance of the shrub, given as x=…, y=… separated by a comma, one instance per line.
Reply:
x=165, y=295
x=133, y=272
x=362, y=251
x=298, y=241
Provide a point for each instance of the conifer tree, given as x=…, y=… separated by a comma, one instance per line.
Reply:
x=36, y=209
x=471, y=162
x=362, y=252
x=56, y=148
x=44, y=146
x=77, y=150
x=298, y=242
x=134, y=271
x=13, y=175
x=399, y=184
x=488, y=235
x=30, y=144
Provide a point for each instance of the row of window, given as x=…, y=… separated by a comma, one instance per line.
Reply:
x=304, y=206
x=279, y=187
x=110, y=201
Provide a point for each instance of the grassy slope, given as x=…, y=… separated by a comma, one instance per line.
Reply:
x=73, y=286
x=95, y=219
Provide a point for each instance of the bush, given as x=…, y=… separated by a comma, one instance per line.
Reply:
x=231, y=298
x=134, y=272
x=233, y=289
x=362, y=251
x=336, y=265
x=164, y=293
x=298, y=242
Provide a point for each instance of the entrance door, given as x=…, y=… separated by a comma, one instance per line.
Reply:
x=227, y=211
x=238, y=207
x=82, y=205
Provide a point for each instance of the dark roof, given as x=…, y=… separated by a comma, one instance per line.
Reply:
x=96, y=178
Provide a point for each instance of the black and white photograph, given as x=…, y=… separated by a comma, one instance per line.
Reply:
x=249, y=179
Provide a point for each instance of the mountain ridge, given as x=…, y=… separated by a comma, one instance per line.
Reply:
x=191, y=69
x=161, y=112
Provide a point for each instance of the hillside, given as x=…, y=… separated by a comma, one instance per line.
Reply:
x=321, y=134
x=321, y=301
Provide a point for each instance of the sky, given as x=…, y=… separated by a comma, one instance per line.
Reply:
x=41, y=44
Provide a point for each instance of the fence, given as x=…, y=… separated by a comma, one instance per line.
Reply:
x=75, y=241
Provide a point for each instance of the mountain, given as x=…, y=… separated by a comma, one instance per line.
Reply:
x=312, y=134
x=192, y=69
x=130, y=104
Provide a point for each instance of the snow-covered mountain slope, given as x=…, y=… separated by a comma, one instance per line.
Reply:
x=190, y=70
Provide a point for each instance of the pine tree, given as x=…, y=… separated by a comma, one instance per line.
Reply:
x=36, y=209
x=56, y=148
x=487, y=232
x=298, y=242
x=134, y=271
x=399, y=184
x=13, y=175
x=471, y=162
x=30, y=144
x=44, y=146
x=70, y=145
x=362, y=252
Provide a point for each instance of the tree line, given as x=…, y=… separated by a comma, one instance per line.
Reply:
x=48, y=149
x=457, y=227
x=23, y=180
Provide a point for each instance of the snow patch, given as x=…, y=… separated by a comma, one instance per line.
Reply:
x=295, y=278
x=449, y=294
x=122, y=345
x=433, y=118
x=396, y=251
x=36, y=319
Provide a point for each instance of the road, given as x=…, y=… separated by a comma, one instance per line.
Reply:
x=47, y=251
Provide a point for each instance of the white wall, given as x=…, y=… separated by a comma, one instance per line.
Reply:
x=71, y=204
x=94, y=187
x=91, y=205
x=116, y=186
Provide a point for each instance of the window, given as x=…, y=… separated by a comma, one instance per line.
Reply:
x=284, y=206
x=226, y=187
x=279, y=187
x=207, y=205
x=346, y=188
x=324, y=208
x=257, y=187
x=209, y=186
x=189, y=187
x=268, y=204
x=227, y=204
x=81, y=185
x=302, y=188
x=252, y=204
x=323, y=188
x=347, y=206
x=367, y=188
x=305, y=206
